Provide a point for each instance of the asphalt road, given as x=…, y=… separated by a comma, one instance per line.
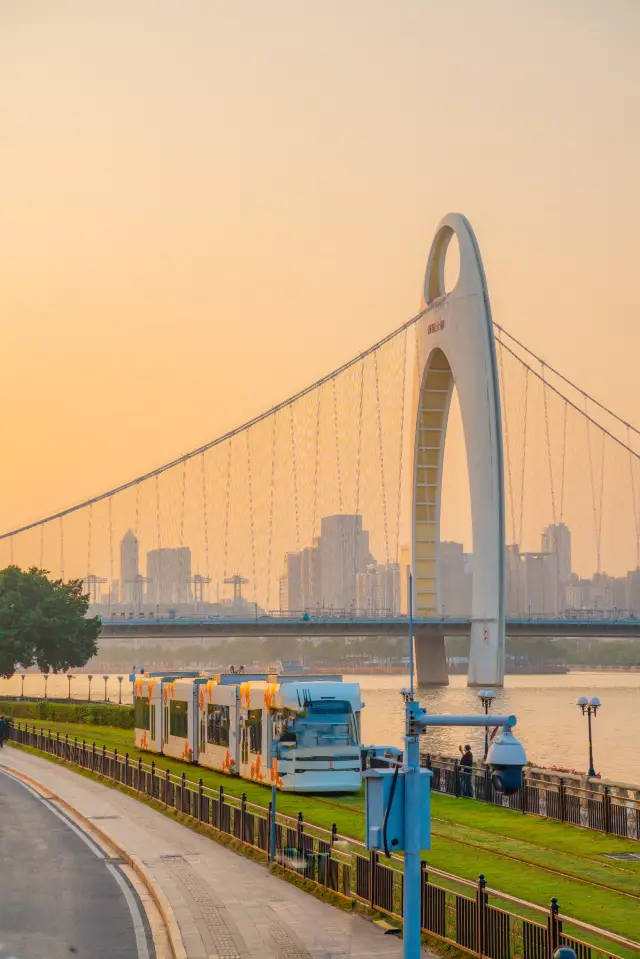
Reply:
x=58, y=899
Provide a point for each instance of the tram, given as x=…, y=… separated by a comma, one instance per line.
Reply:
x=301, y=733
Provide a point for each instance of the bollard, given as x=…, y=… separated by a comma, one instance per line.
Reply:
x=167, y=784
x=200, y=794
x=220, y=802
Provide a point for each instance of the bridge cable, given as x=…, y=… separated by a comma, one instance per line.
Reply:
x=508, y=446
x=597, y=520
x=401, y=440
x=61, y=549
x=42, y=546
x=295, y=475
x=111, y=577
x=563, y=462
x=183, y=493
x=205, y=511
x=11, y=560
x=337, y=438
x=359, y=449
x=272, y=476
x=548, y=440
x=219, y=440
x=635, y=506
x=90, y=530
x=158, y=529
x=251, y=519
x=381, y=455
x=566, y=379
x=316, y=465
x=227, y=506
x=555, y=390
x=522, y=478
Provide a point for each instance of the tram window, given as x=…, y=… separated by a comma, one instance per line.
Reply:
x=178, y=722
x=141, y=712
x=254, y=721
x=218, y=725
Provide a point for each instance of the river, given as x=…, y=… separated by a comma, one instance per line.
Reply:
x=550, y=725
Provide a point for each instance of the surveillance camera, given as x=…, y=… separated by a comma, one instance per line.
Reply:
x=506, y=757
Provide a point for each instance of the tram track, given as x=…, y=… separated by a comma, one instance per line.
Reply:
x=489, y=848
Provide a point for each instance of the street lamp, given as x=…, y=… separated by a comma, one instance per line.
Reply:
x=590, y=707
x=105, y=687
x=69, y=677
x=22, y=677
x=486, y=697
x=89, y=677
x=120, y=678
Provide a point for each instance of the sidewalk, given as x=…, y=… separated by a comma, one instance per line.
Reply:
x=226, y=906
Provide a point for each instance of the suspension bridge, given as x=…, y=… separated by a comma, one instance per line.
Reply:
x=305, y=519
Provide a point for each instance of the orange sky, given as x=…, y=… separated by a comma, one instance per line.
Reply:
x=207, y=205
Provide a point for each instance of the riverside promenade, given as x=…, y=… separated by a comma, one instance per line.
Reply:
x=217, y=904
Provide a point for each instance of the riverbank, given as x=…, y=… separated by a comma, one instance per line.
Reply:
x=526, y=857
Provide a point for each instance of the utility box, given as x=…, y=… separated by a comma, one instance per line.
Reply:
x=385, y=812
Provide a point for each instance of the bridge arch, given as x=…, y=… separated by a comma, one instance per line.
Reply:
x=455, y=346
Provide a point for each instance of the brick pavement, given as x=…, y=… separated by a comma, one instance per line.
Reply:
x=226, y=906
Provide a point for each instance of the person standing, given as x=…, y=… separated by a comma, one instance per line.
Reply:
x=466, y=771
x=3, y=730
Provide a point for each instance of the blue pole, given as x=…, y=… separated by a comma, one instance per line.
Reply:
x=272, y=836
x=412, y=816
x=410, y=605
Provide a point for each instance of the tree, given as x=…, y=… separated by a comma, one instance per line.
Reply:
x=42, y=622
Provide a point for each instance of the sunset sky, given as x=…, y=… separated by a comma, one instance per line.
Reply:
x=206, y=205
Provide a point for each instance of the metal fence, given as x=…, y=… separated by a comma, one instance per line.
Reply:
x=561, y=800
x=471, y=916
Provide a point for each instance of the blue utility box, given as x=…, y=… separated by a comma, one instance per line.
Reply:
x=381, y=795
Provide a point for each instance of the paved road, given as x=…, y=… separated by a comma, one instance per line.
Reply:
x=225, y=906
x=58, y=899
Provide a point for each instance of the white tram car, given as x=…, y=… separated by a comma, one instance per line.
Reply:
x=301, y=733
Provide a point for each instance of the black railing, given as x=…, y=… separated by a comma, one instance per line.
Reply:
x=562, y=800
x=458, y=912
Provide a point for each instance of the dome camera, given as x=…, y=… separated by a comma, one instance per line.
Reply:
x=505, y=758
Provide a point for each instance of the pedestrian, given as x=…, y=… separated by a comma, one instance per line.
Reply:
x=3, y=730
x=466, y=770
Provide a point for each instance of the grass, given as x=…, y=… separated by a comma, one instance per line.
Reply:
x=524, y=856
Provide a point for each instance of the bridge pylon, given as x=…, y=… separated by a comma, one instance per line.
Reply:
x=456, y=346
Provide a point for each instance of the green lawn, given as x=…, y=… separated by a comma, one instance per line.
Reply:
x=516, y=853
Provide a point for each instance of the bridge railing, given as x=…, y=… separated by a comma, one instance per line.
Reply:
x=477, y=919
x=564, y=799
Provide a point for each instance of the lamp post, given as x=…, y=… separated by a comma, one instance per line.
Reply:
x=90, y=677
x=105, y=677
x=406, y=824
x=120, y=678
x=22, y=677
x=46, y=679
x=486, y=697
x=589, y=707
x=69, y=677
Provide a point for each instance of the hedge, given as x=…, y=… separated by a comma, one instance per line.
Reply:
x=92, y=714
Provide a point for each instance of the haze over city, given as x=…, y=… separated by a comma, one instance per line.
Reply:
x=205, y=212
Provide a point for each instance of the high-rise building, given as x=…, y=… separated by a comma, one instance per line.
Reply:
x=542, y=597
x=556, y=539
x=311, y=576
x=344, y=552
x=169, y=576
x=293, y=566
x=454, y=580
x=130, y=578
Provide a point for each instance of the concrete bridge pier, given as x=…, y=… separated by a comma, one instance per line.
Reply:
x=429, y=657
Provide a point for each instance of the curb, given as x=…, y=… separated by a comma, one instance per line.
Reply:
x=157, y=893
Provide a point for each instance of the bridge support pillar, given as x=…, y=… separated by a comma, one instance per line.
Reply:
x=430, y=659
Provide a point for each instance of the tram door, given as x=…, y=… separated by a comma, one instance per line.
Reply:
x=165, y=725
x=244, y=750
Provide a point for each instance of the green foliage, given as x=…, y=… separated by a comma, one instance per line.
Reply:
x=42, y=622
x=93, y=714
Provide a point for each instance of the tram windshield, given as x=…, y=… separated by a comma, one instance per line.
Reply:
x=327, y=723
